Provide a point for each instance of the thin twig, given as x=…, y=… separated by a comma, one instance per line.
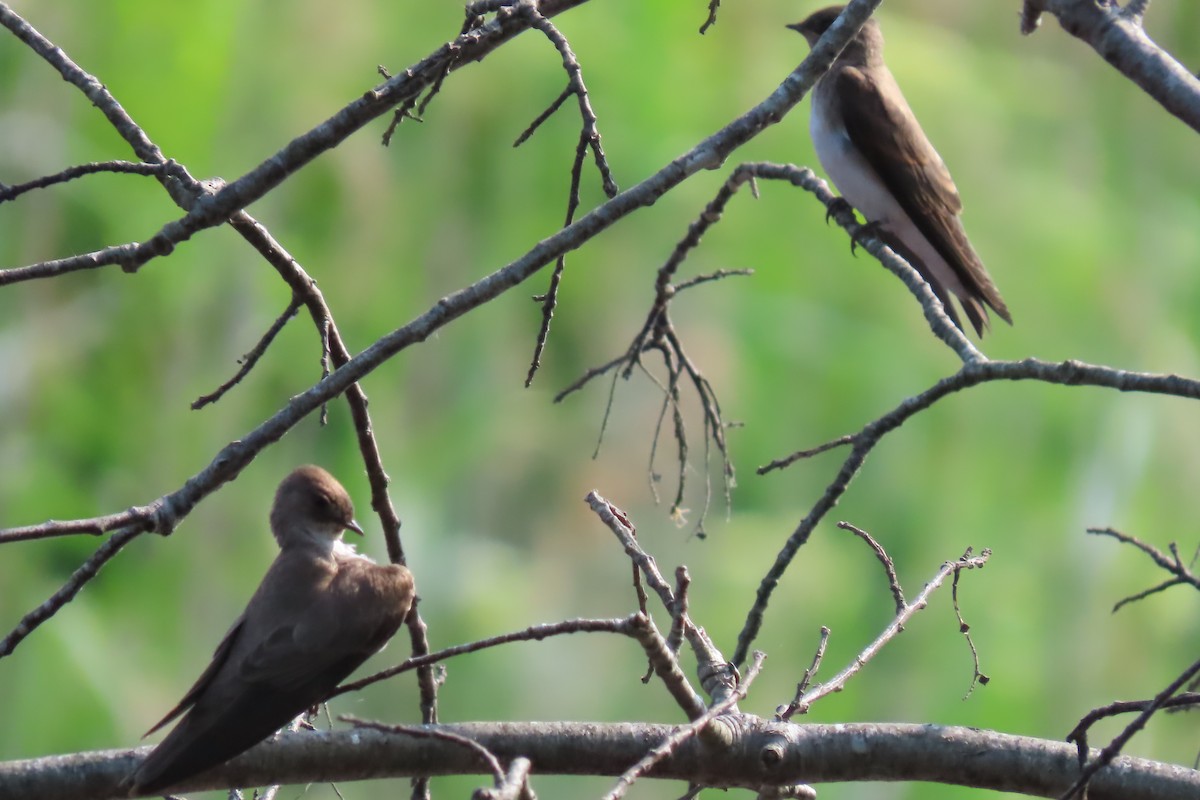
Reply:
x=713, y=5
x=718, y=677
x=1173, y=564
x=545, y=115
x=69, y=589
x=785, y=713
x=889, y=566
x=978, y=678
x=718, y=275
x=485, y=755
x=534, y=633
x=96, y=526
x=787, y=461
x=589, y=137
x=838, y=682
x=71, y=173
x=1079, y=734
x=251, y=358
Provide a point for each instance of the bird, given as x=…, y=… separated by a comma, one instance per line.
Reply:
x=871, y=145
x=320, y=611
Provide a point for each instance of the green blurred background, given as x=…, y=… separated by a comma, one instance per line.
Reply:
x=1081, y=194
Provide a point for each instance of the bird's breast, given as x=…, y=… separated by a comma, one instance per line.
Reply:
x=855, y=179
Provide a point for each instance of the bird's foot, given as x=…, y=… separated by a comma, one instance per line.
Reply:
x=866, y=229
x=837, y=206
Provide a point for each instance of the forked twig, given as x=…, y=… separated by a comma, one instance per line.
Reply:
x=685, y=732
x=802, y=704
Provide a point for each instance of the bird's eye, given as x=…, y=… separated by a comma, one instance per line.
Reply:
x=325, y=504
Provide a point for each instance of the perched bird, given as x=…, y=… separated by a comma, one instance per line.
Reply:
x=874, y=150
x=319, y=612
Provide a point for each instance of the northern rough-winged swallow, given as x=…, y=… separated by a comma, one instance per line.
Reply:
x=871, y=145
x=319, y=612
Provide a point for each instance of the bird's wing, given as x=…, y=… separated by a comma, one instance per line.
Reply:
x=309, y=625
x=885, y=130
x=349, y=621
x=220, y=656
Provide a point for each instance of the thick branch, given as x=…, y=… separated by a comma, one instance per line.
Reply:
x=765, y=754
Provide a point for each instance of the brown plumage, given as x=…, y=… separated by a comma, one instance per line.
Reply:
x=872, y=146
x=320, y=611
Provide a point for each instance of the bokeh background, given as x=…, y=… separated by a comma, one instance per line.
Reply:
x=1081, y=194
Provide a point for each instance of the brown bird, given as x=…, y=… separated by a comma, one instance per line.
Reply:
x=320, y=611
x=874, y=150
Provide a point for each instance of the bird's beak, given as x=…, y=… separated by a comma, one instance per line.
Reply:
x=796, y=26
x=354, y=526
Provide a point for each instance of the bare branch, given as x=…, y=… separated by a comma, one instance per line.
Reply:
x=97, y=526
x=672, y=743
x=682, y=583
x=589, y=137
x=126, y=167
x=1182, y=574
x=513, y=786
x=1091, y=768
x=765, y=753
x=713, y=5
x=1117, y=36
x=837, y=209
x=534, y=633
x=799, y=455
x=666, y=666
x=977, y=678
x=785, y=713
x=471, y=745
x=68, y=590
x=838, y=682
x=251, y=358
x=717, y=676
x=236, y=195
x=889, y=566
x=1066, y=373
x=545, y=115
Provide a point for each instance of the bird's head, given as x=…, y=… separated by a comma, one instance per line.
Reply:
x=311, y=507
x=815, y=24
